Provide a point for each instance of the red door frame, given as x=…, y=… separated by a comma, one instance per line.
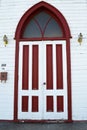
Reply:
x=66, y=37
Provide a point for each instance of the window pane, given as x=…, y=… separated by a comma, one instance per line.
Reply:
x=53, y=29
x=32, y=30
x=42, y=25
x=42, y=19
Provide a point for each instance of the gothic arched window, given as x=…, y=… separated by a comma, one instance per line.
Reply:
x=42, y=25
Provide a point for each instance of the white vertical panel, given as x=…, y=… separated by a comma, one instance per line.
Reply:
x=30, y=66
x=65, y=76
x=54, y=66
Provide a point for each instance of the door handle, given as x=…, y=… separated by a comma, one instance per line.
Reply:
x=44, y=83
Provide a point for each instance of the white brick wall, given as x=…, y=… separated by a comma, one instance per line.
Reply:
x=75, y=12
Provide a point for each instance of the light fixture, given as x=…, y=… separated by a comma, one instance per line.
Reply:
x=80, y=38
x=5, y=39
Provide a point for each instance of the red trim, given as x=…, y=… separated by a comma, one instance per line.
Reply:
x=40, y=121
x=67, y=38
x=69, y=81
x=35, y=103
x=60, y=104
x=25, y=72
x=35, y=67
x=59, y=66
x=43, y=121
x=49, y=67
x=49, y=103
x=40, y=39
x=25, y=103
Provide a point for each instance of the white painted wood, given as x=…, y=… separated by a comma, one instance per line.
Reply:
x=42, y=93
x=54, y=92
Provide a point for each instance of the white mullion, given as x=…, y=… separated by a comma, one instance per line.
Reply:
x=44, y=64
x=39, y=79
x=54, y=66
x=64, y=78
x=30, y=67
x=19, y=106
x=20, y=79
x=64, y=66
x=29, y=84
x=40, y=67
x=54, y=77
x=44, y=86
x=20, y=67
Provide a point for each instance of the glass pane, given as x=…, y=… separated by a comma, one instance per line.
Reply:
x=32, y=30
x=41, y=25
x=53, y=29
x=42, y=19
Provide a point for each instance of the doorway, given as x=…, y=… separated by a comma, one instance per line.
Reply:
x=42, y=68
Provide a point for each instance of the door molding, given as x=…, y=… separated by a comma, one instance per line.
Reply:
x=66, y=38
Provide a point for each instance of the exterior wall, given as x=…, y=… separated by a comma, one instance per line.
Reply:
x=75, y=13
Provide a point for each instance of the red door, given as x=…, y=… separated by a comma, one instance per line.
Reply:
x=42, y=89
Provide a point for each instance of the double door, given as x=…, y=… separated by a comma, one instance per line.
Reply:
x=42, y=87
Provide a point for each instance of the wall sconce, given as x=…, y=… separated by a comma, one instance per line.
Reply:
x=5, y=39
x=80, y=38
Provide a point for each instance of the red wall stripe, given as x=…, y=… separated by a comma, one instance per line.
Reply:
x=49, y=107
x=60, y=104
x=25, y=103
x=25, y=69
x=49, y=67
x=35, y=67
x=59, y=67
x=35, y=104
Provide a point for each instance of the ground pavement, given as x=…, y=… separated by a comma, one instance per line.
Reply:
x=43, y=126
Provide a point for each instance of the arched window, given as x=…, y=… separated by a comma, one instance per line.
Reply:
x=42, y=25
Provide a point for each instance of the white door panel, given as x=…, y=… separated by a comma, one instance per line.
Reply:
x=46, y=100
